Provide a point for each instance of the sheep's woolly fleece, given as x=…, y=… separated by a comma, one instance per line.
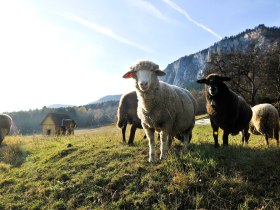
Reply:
x=145, y=65
x=265, y=120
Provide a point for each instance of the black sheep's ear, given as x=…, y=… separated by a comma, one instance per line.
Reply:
x=225, y=79
x=202, y=81
x=160, y=73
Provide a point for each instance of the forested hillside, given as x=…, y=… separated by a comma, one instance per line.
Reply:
x=251, y=58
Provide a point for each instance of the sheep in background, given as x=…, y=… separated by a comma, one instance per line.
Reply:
x=127, y=114
x=265, y=121
x=5, y=126
x=68, y=126
x=167, y=109
x=226, y=109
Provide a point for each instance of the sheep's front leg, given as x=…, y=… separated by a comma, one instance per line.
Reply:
x=132, y=134
x=266, y=138
x=164, y=139
x=276, y=136
x=225, y=138
x=215, y=129
x=123, y=132
x=245, y=135
x=186, y=142
x=150, y=135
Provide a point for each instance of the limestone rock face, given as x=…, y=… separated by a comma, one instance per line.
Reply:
x=185, y=71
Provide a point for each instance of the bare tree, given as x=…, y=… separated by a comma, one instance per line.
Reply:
x=255, y=74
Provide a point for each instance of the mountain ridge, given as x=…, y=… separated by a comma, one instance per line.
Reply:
x=107, y=98
x=186, y=70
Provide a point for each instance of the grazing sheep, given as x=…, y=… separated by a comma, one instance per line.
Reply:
x=68, y=126
x=226, y=109
x=167, y=109
x=265, y=121
x=127, y=114
x=5, y=126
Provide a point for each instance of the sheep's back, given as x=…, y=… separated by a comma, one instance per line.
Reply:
x=265, y=119
x=127, y=110
x=173, y=105
x=5, y=121
x=233, y=113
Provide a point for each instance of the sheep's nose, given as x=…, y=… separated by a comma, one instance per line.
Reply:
x=213, y=89
x=143, y=85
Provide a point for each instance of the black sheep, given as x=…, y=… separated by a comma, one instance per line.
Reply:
x=226, y=109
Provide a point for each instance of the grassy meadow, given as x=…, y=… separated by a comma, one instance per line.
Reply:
x=94, y=170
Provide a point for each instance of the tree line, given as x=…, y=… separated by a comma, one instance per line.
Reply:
x=255, y=75
x=87, y=116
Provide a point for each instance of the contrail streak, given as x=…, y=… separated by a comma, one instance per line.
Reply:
x=105, y=31
x=183, y=12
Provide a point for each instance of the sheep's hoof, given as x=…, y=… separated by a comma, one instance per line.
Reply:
x=151, y=160
x=216, y=145
x=162, y=157
x=130, y=144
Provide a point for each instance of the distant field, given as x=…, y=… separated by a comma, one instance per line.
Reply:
x=94, y=170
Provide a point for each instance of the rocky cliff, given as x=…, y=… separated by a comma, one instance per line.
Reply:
x=185, y=71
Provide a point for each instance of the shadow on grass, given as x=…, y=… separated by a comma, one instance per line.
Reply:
x=246, y=160
x=234, y=175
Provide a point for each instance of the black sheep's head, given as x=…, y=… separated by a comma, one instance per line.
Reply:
x=214, y=82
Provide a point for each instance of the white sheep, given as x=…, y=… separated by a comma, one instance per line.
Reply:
x=265, y=121
x=167, y=109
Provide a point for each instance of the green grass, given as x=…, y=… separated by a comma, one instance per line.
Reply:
x=98, y=172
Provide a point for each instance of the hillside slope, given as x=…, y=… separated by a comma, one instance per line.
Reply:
x=93, y=170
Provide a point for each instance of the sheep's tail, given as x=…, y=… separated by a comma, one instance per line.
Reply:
x=121, y=115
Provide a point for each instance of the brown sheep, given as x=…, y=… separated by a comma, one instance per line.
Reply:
x=68, y=126
x=5, y=126
x=127, y=114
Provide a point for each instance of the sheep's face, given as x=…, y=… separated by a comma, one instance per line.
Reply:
x=145, y=73
x=213, y=87
x=213, y=82
x=144, y=79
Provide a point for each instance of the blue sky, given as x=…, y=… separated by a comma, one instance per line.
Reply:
x=74, y=52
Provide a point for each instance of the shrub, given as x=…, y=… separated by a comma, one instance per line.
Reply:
x=12, y=154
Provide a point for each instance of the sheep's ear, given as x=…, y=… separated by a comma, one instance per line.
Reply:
x=202, y=81
x=225, y=79
x=129, y=74
x=160, y=73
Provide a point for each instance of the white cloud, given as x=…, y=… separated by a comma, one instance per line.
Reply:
x=105, y=31
x=183, y=12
